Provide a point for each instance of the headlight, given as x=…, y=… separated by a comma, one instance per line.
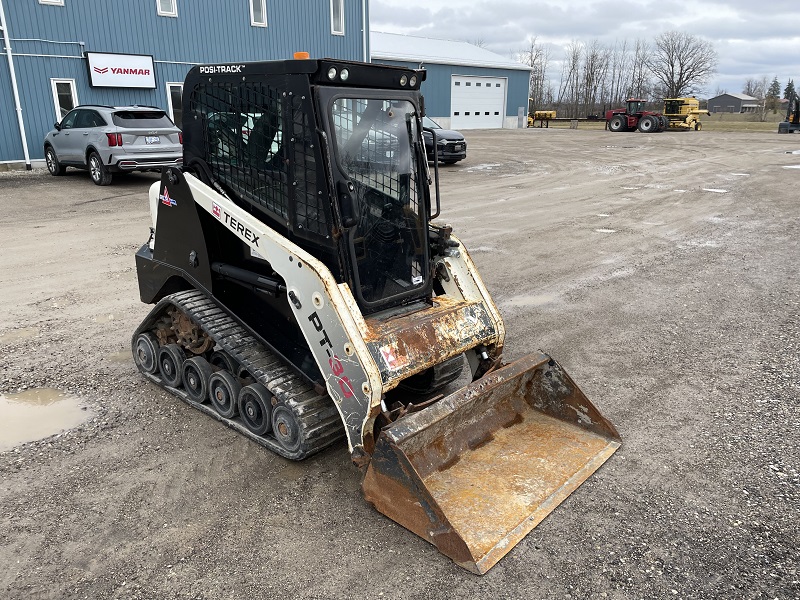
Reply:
x=413, y=81
x=332, y=73
x=344, y=74
x=403, y=80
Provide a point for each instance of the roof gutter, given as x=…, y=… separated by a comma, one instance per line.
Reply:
x=13, y=74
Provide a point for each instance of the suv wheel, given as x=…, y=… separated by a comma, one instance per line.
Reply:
x=53, y=165
x=97, y=170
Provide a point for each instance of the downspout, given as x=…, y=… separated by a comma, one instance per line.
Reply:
x=13, y=74
x=364, y=22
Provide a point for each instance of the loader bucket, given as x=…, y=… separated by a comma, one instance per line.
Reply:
x=476, y=471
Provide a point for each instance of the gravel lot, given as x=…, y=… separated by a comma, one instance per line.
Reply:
x=660, y=270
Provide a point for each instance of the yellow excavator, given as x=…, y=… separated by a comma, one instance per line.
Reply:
x=304, y=292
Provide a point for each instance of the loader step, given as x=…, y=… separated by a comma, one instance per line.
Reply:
x=316, y=414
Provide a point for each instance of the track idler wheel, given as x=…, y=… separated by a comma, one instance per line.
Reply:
x=223, y=389
x=196, y=374
x=255, y=408
x=170, y=364
x=145, y=353
x=286, y=429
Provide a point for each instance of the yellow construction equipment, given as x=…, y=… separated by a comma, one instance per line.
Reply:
x=684, y=113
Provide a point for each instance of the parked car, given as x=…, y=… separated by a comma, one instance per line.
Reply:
x=452, y=147
x=112, y=139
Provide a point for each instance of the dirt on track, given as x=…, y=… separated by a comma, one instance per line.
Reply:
x=660, y=270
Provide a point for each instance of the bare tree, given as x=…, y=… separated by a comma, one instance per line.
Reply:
x=569, y=87
x=479, y=42
x=682, y=62
x=751, y=87
x=640, y=84
x=537, y=56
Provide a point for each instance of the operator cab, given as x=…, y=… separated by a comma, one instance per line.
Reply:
x=636, y=106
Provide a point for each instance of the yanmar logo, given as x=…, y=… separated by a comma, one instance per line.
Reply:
x=121, y=71
x=221, y=69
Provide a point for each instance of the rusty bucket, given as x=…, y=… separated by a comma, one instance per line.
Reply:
x=475, y=472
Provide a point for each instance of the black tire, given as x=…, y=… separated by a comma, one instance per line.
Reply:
x=618, y=123
x=53, y=165
x=224, y=361
x=223, y=390
x=98, y=171
x=196, y=373
x=698, y=126
x=255, y=408
x=145, y=352
x=647, y=124
x=286, y=429
x=170, y=364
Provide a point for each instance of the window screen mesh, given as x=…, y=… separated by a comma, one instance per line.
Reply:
x=259, y=142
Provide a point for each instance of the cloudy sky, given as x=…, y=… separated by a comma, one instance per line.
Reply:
x=753, y=38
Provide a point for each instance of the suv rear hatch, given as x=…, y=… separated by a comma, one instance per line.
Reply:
x=147, y=131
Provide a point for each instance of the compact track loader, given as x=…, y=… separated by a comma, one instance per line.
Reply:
x=303, y=294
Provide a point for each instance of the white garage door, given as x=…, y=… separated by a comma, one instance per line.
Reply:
x=477, y=102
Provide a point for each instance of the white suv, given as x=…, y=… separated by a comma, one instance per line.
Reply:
x=109, y=139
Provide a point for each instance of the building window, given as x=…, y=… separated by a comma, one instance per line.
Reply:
x=478, y=84
x=175, y=103
x=496, y=85
x=337, y=17
x=64, y=96
x=167, y=8
x=458, y=83
x=52, y=2
x=469, y=83
x=258, y=13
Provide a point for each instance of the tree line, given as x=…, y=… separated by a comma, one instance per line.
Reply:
x=596, y=76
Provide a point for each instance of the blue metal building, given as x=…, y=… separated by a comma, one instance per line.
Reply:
x=466, y=87
x=44, y=69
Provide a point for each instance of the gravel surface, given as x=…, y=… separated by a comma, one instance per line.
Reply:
x=660, y=270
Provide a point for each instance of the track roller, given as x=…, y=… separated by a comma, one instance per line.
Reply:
x=255, y=408
x=223, y=389
x=170, y=364
x=196, y=373
x=145, y=352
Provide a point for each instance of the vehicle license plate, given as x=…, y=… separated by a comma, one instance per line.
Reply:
x=456, y=147
x=152, y=139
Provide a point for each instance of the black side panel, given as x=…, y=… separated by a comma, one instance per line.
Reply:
x=180, y=240
x=180, y=260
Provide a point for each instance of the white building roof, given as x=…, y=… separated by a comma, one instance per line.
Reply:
x=395, y=46
x=740, y=96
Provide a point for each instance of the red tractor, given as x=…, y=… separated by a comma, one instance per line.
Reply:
x=634, y=116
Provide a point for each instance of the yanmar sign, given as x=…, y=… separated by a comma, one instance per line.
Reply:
x=121, y=70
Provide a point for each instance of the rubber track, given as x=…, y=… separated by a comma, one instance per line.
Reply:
x=319, y=420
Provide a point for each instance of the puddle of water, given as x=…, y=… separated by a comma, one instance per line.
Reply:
x=36, y=414
x=606, y=230
x=715, y=190
x=530, y=300
x=741, y=174
x=791, y=167
x=603, y=215
x=680, y=191
x=629, y=188
x=793, y=152
x=18, y=334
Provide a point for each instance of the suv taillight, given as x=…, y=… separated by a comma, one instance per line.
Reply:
x=114, y=139
x=180, y=137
